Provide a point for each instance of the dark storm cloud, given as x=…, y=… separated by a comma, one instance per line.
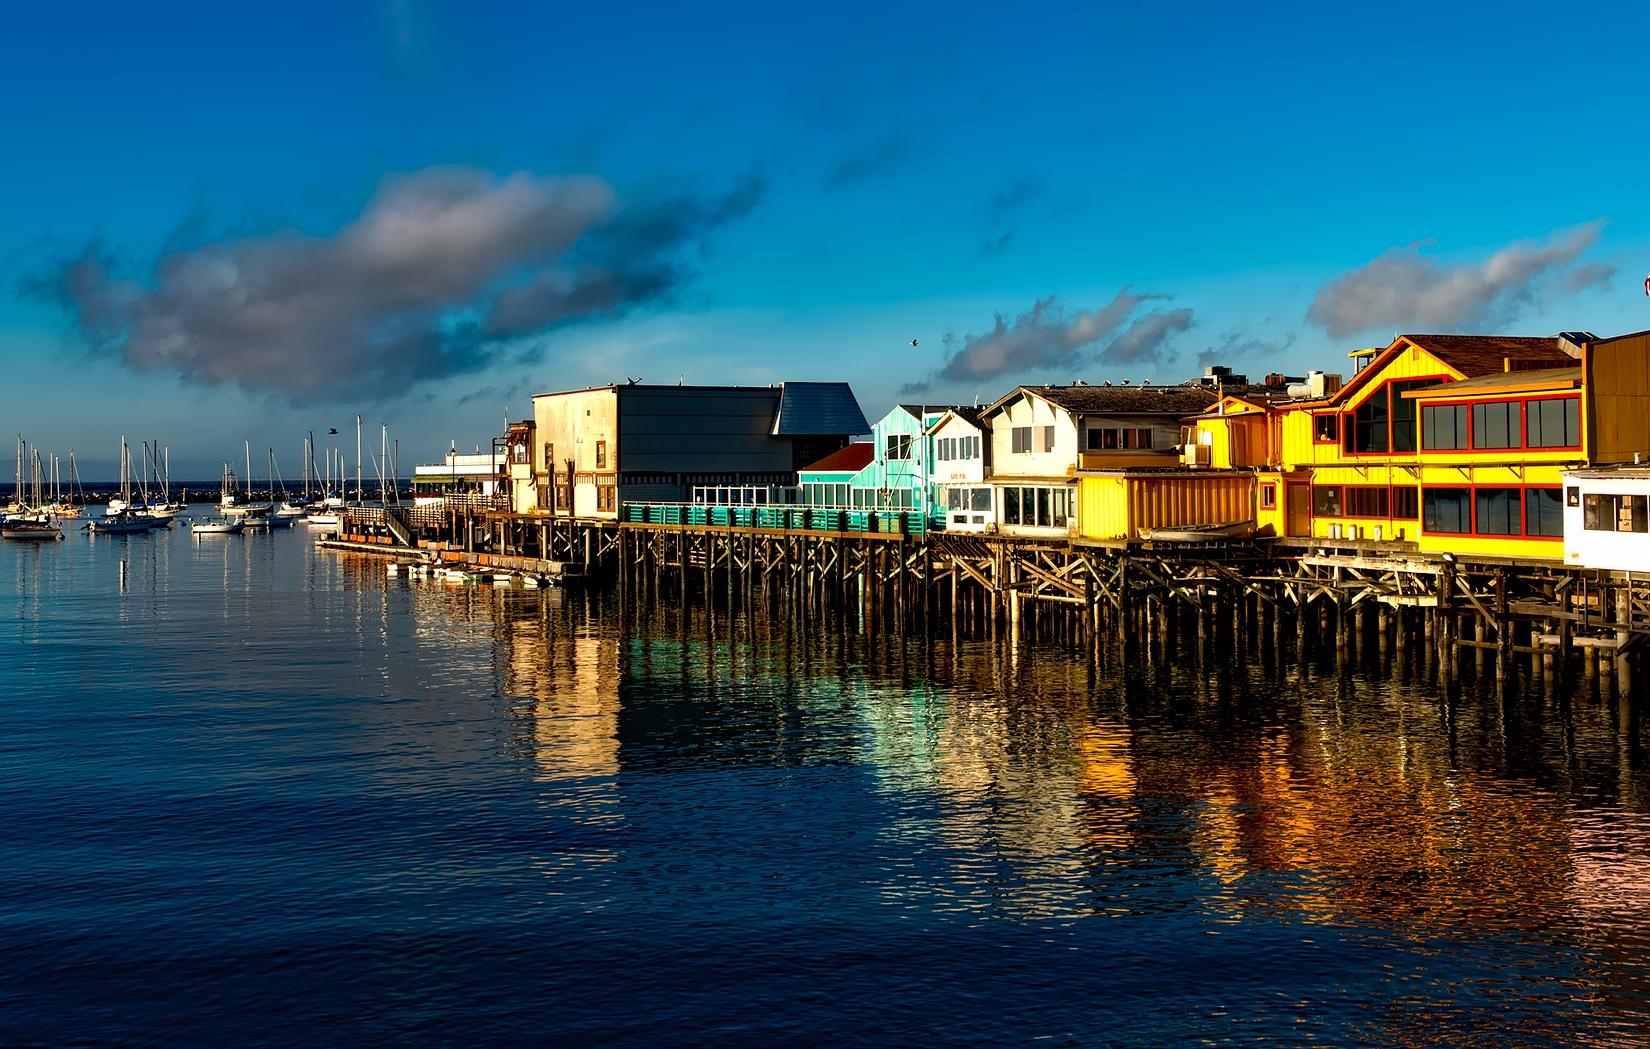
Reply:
x=432, y=279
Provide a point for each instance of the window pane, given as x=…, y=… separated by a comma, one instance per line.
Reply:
x=1011, y=506
x=1543, y=512
x=1630, y=515
x=1406, y=502
x=1598, y=513
x=1446, y=510
x=1497, y=511
x=1326, y=500
x=982, y=499
x=1042, y=507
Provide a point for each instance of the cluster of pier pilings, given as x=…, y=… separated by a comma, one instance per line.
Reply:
x=1484, y=620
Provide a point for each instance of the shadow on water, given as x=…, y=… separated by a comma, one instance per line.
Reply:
x=261, y=795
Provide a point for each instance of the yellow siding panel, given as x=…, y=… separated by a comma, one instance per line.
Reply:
x=1119, y=507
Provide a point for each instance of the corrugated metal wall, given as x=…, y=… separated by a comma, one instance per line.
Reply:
x=1119, y=507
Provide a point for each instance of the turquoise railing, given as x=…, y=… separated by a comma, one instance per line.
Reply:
x=783, y=518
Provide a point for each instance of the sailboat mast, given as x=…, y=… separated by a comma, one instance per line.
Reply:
x=360, y=496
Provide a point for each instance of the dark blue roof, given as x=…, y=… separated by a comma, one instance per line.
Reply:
x=818, y=409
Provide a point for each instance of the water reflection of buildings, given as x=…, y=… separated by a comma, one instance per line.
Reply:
x=564, y=679
x=1303, y=803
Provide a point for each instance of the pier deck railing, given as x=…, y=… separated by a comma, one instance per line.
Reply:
x=786, y=518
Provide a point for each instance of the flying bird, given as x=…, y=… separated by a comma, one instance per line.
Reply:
x=1646, y=286
x=332, y=431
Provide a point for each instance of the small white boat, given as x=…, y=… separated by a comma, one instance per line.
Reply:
x=322, y=520
x=291, y=510
x=29, y=530
x=217, y=526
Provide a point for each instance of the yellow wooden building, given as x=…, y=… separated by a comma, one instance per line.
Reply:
x=1456, y=443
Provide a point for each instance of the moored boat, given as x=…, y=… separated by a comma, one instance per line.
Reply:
x=26, y=529
x=1201, y=533
x=124, y=522
x=216, y=526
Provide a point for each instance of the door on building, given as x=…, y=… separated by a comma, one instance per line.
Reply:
x=1299, y=518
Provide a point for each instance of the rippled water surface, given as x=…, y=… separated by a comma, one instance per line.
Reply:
x=255, y=794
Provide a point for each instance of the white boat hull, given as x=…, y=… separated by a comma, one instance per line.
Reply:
x=27, y=532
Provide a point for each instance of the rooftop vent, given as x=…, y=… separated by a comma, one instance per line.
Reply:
x=1570, y=341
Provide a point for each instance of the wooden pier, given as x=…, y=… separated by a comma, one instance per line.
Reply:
x=1480, y=616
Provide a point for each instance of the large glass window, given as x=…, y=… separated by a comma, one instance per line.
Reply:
x=1021, y=438
x=1369, y=431
x=1498, y=511
x=1446, y=510
x=1385, y=421
x=1444, y=426
x=1495, y=425
x=898, y=446
x=1011, y=506
x=1553, y=423
x=1613, y=513
x=1326, y=427
x=1543, y=512
x=1403, y=412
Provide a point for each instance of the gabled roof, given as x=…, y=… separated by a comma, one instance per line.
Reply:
x=1474, y=355
x=1177, y=401
x=818, y=409
x=970, y=415
x=856, y=456
x=1230, y=405
x=1470, y=355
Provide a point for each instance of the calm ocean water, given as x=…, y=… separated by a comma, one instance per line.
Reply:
x=255, y=794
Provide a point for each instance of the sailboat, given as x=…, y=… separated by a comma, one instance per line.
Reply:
x=29, y=524
x=122, y=518
x=21, y=508
x=163, y=508
x=288, y=508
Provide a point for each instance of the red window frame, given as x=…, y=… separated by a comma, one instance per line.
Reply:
x=1391, y=500
x=1472, y=512
x=1347, y=409
x=1523, y=428
x=1268, y=491
x=1335, y=440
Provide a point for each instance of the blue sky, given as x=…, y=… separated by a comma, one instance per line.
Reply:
x=761, y=192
